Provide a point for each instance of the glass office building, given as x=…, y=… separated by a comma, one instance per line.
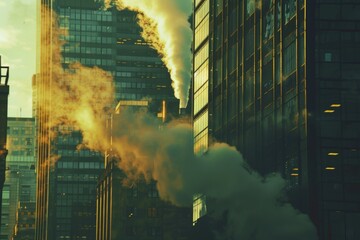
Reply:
x=279, y=80
x=109, y=39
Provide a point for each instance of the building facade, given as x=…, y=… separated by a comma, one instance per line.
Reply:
x=67, y=176
x=137, y=212
x=111, y=40
x=20, y=177
x=278, y=80
x=25, y=221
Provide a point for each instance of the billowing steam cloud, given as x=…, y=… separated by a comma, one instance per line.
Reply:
x=253, y=203
x=165, y=25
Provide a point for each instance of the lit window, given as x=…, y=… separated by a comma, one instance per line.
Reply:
x=329, y=111
x=328, y=57
x=335, y=105
x=330, y=168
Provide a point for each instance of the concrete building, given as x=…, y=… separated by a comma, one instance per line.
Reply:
x=280, y=81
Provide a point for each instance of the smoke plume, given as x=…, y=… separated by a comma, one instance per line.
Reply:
x=76, y=95
x=166, y=26
x=254, y=205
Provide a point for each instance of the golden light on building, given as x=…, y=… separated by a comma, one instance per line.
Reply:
x=330, y=168
x=333, y=154
x=163, y=111
x=335, y=105
x=294, y=174
x=329, y=111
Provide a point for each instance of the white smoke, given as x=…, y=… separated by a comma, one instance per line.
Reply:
x=166, y=26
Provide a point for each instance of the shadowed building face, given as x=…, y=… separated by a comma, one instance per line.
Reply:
x=278, y=80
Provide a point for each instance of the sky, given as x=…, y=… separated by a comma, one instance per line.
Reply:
x=18, y=50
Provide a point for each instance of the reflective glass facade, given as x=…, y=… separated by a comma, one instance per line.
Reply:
x=111, y=40
x=278, y=77
x=67, y=176
x=336, y=95
x=201, y=90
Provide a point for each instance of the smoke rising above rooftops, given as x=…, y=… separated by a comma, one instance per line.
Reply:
x=166, y=26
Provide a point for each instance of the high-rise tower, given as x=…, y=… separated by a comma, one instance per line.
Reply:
x=108, y=39
x=279, y=80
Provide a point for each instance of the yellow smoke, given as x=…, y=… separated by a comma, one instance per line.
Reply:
x=165, y=25
x=76, y=96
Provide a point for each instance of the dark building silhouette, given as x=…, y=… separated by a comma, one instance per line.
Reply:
x=4, y=93
x=25, y=221
x=280, y=81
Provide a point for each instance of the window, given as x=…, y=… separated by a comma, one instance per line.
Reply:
x=218, y=72
x=152, y=212
x=233, y=16
x=202, y=31
x=289, y=9
x=249, y=43
x=218, y=35
x=152, y=191
x=219, y=7
x=289, y=58
x=267, y=79
x=250, y=7
x=269, y=25
x=201, y=76
x=249, y=86
x=201, y=12
x=201, y=98
x=201, y=56
x=201, y=123
x=232, y=57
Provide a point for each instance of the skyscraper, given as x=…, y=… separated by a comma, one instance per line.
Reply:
x=4, y=93
x=280, y=81
x=66, y=185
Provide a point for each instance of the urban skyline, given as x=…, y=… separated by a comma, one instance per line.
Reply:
x=270, y=134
